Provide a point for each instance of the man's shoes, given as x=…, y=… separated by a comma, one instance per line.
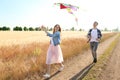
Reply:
x=95, y=60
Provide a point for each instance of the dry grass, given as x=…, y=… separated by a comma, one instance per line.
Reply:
x=20, y=60
x=26, y=37
x=100, y=65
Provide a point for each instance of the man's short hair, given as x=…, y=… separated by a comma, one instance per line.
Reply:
x=96, y=22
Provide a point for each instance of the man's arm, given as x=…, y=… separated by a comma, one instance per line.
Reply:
x=89, y=35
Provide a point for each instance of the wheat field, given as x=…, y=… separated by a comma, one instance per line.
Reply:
x=25, y=37
x=23, y=54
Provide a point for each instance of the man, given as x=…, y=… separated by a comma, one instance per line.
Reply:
x=94, y=36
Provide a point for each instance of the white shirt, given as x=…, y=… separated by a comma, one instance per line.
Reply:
x=94, y=35
x=51, y=39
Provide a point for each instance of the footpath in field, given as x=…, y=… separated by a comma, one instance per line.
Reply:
x=112, y=69
x=79, y=62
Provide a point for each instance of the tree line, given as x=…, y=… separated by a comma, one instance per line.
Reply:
x=18, y=28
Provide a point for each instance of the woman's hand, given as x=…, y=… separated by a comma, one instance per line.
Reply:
x=43, y=28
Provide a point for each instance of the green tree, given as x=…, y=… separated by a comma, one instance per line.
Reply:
x=31, y=29
x=72, y=29
x=50, y=29
x=0, y=28
x=25, y=28
x=4, y=28
x=105, y=29
x=20, y=28
x=80, y=29
x=37, y=29
x=17, y=28
x=116, y=30
x=7, y=28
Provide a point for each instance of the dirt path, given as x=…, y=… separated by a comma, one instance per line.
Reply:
x=112, y=69
x=77, y=63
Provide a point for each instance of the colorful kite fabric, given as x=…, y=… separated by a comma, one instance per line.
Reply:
x=64, y=6
x=70, y=8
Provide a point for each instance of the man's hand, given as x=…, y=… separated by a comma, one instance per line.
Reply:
x=88, y=39
x=98, y=39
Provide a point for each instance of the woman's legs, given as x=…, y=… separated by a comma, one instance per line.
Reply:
x=61, y=66
x=48, y=68
x=47, y=75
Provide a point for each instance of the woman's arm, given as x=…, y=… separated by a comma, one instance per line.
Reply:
x=56, y=34
x=44, y=29
x=49, y=34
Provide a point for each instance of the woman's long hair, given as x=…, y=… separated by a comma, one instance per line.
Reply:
x=57, y=25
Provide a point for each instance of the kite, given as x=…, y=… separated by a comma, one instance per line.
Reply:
x=70, y=9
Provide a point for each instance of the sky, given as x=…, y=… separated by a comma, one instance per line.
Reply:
x=34, y=13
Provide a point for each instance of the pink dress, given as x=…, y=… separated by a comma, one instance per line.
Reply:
x=54, y=54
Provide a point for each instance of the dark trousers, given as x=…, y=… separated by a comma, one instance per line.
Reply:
x=93, y=46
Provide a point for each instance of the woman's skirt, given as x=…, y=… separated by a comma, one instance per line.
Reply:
x=54, y=54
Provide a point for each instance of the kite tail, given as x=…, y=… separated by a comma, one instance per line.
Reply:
x=76, y=19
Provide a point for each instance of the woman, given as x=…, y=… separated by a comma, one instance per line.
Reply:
x=54, y=53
